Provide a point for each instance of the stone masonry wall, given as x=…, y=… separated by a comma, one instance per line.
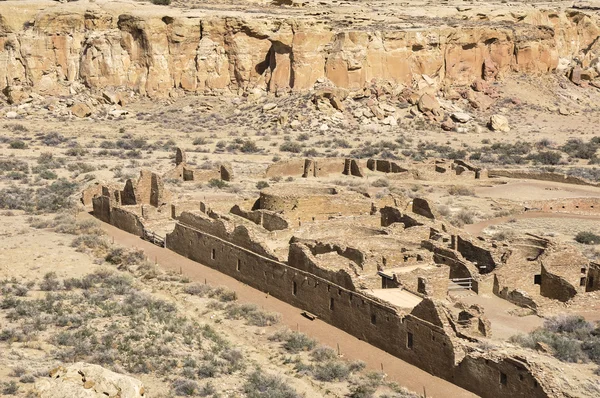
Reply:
x=376, y=322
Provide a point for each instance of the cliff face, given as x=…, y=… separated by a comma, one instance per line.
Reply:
x=154, y=50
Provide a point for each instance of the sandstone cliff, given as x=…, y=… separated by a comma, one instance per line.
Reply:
x=55, y=48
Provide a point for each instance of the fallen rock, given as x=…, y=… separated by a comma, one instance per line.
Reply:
x=80, y=109
x=461, y=117
x=448, y=125
x=83, y=380
x=11, y=115
x=499, y=123
x=390, y=121
x=269, y=107
x=428, y=103
x=575, y=75
x=480, y=86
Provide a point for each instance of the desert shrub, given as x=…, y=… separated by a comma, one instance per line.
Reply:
x=217, y=183
x=56, y=196
x=16, y=198
x=461, y=190
x=545, y=157
x=18, y=371
x=197, y=289
x=12, y=164
x=587, y=238
x=381, y=182
x=161, y=2
x=200, y=141
x=52, y=139
x=331, y=371
x=48, y=175
x=293, y=147
x=26, y=379
x=576, y=148
x=10, y=388
x=294, y=342
x=120, y=256
x=463, y=217
x=303, y=137
x=184, y=387
x=249, y=146
x=207, y=389
x=50, y=282
x=571, y=339
x=362, y=391
x=263, y=385
x=252, y=314
x=77, y=150
x=18, y=144
x=262, y=185
x=323, y=353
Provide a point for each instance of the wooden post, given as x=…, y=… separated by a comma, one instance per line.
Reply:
x=338, y=346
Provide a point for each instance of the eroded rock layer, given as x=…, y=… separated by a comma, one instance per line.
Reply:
x=155, y=51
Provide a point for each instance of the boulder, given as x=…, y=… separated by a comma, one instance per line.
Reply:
x=269, y=107
x=461, y=117
x=428, y=103
x=84, y=380
x=575, y=75
x=11, y=115
x=390, y=121
x=448, y=125
x=80, y=109
x=15, y=94
x=499, y=123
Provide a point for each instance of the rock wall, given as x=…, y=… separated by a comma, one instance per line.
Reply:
x=156, y=50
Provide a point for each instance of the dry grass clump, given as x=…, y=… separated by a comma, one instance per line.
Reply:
x=461, y=190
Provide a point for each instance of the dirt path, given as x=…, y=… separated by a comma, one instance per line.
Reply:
x=477, y=228
x=352, y=348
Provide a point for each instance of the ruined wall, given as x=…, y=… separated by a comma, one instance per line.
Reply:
x=481, y=257
x=102, y=208
x=126, y=220
x=571, y=205
x=451, y=258
x=513, y=295
x=154, y=51
x=293, y=167
x=119, y=217
x=391, y=215
x=92, y=191
x=593, y=278
x=385, y=166
x=556, y=287
x=269, y=220
x=429, y=282
x=508, y=377
x=302, y=258
x=543, y=176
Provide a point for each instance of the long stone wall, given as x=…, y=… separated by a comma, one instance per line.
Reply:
x=542, y=176
x=418, y=338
